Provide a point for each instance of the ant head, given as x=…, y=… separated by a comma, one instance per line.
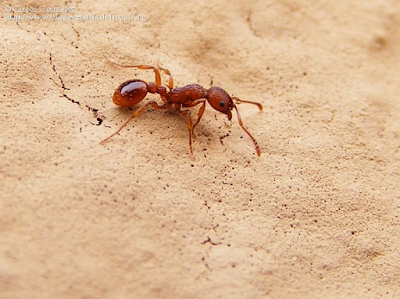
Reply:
x=220, y=100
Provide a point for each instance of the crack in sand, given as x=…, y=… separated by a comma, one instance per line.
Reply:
x=55, y=71
x=76, y=32
x=222, y=137
x=211, y=242
x=248, y=19
x=64, y=88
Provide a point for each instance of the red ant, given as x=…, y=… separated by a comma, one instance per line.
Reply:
x=132, y=92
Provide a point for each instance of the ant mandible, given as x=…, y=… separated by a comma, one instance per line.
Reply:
x=132, y=92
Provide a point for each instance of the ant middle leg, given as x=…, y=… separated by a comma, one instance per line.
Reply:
x=199, y=113
x=135, y=114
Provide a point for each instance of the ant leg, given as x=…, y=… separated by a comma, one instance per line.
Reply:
x=135, y=114
x=156, y=72
x=167, y=72
x=170, y=80
x=249, y=102
x=143, y=67
x=248, y=133
x=190, y=128
x=199, y=113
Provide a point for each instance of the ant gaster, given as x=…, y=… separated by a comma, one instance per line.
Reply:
x=132, y=92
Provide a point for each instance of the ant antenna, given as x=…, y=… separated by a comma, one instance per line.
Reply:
x=249, y=102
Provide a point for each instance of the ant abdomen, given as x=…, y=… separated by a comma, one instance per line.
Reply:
x=130, y=93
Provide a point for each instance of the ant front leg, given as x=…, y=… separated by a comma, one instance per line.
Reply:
x=135, y=114
x=257, y=147
x=190, y=128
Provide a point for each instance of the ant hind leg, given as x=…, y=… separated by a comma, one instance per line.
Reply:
x=142, y=67
x=170, y=80
x=135, y=114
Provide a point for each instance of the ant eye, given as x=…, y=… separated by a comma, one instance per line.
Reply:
x=222, y=104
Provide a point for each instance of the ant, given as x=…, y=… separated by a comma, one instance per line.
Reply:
x=132, y=92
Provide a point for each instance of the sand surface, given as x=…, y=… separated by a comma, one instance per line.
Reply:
x=316, y=216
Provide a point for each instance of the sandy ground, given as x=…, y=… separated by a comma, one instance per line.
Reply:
x=317, y=215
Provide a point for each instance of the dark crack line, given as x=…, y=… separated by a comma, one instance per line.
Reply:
x=64, y=88
x=99, y=118
x=71, y=99
x=73, y=27
x=251, y=26
x=94, y=110
x=222, y=137
x=44, y=33
x=203, y=259
x=211, y=242
x=215, y=227
x=55, y=71
x=76, y=32
x=19, y=26
x=99, y=122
